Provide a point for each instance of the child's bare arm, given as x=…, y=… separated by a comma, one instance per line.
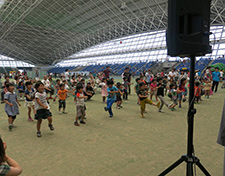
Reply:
x=10, y=104
x=39, y=102
x=80, y=97
x=17, y=102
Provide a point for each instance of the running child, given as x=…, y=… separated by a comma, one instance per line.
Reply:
x=62, y=94
x=174, y=97
x=153, y=89
x=21, y=89
x=160, y=93
x=126, y=85
x=208, y=86
x=80, y=105
x=56, y=88
x=11, y=105
x=104, y=92
x=29, y=102
x=42, y=107
x=119, y=94
x=143, y=95
x=197, y=92
x=112, y=91
x=137, y=88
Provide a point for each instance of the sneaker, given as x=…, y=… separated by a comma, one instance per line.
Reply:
x=110, y=116
x=179, y=106
x=14, y=126
x=158, y=104
x=184, y=99
x=64, y=112
x=121, y=106
x=60, y=112
x=51, y=127
x=30, y=120
x=38, y=134
x=82, y=122
x=10, y=127
x=172, y=109
x=54, y=99
x=85, y=117
x=118, y=107
x=142, y=116
x=106, y=109
x=170, y=105
x=76, y=123
x=161, y=111
x=145, y=112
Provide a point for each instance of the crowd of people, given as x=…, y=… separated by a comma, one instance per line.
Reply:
x=149, y=88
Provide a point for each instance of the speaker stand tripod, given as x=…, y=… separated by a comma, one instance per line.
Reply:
x=190, y=159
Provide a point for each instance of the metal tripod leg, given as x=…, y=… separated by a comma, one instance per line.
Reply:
x=202, y=168
x=174, y=165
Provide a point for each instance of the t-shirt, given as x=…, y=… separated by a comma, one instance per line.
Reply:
x=197, y=91
x=80, y=101
x=62, y=94
x=125, y=84
x=30, y=94
x=106, y=72
x=216, y=76
x=142, y=92
x=43, y=99
x=118, y=93
x=21, y=88
x=153, y=86
x=4, y=169
x=208, y=86
x=89, y=89
x=137, y=87
x=174, y=94
x=160, y=90
x=182, y=87
x=46, y=83
x=112, y=96
x=67, y=75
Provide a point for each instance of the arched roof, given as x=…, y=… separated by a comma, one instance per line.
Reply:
x=44, y=32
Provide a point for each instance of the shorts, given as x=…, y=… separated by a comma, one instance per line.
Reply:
x=13, y=117
x=153, y=92
x=145, y=101
x=62, y=103
x=29, y=104
x=81, y=111
x=42, y=114
x=118, y=98
x=175, y=101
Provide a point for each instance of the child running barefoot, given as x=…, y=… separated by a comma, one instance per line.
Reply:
x=143, y=95
x=62, y=93
x=11, y=105
x=112, y=91
x=29, y=102
x=42, y=107
x=80, y=105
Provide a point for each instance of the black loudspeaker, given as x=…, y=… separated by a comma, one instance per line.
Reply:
x=188, y=28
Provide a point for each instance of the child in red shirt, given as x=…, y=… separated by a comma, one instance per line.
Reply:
x=197, y=92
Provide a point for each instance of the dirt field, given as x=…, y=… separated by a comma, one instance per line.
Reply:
x=123, y=146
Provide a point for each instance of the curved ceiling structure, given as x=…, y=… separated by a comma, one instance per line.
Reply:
x=44, y=32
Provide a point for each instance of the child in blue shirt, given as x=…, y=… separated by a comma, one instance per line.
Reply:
x=112, y=91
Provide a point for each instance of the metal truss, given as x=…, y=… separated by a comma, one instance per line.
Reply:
x=44, y=32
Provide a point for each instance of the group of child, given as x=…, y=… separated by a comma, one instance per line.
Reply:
x=36, y=98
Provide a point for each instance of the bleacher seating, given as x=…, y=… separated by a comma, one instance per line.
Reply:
x=219, y=60
x=60, y=69
x=199, y=65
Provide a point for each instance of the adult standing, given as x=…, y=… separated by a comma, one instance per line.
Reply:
x=216, y=79
x=67, y=75
x=148, y=76
x=48, y=87
x=172, y=74
x=107, y=72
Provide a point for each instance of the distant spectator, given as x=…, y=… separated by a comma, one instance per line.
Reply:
x=67, y=75
x=216, y=79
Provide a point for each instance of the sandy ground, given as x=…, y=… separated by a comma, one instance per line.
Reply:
x=123, y=146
